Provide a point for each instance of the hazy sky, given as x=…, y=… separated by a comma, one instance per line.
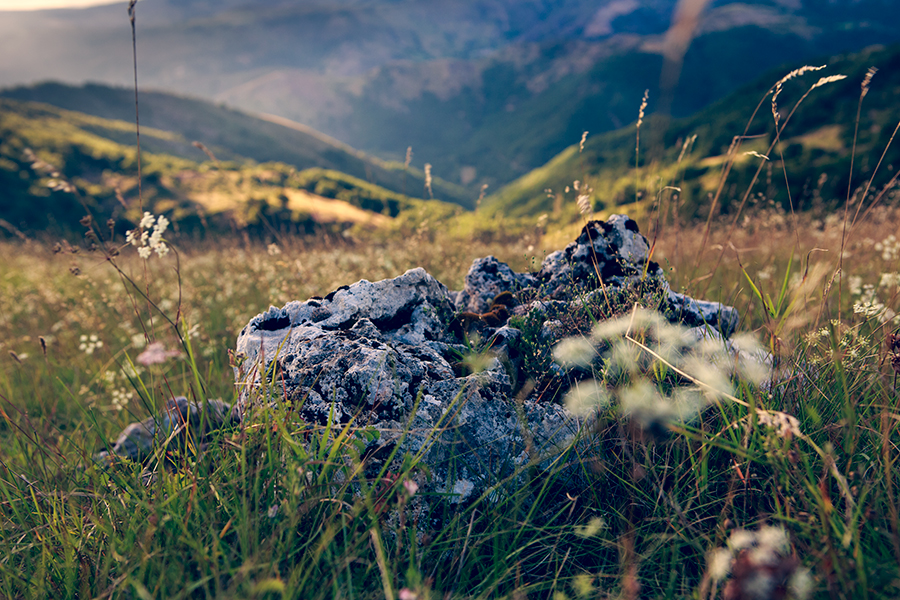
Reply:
x=39, y=4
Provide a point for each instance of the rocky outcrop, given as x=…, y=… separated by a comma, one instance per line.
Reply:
x=443, y=374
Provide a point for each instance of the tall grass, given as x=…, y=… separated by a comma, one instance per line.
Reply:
x=259, y=514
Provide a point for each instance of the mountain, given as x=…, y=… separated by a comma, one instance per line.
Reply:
x=485, y=90
x=56, y=164
x=230, y=134
x=815, y=147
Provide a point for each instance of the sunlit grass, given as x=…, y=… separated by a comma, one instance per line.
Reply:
x=254, y=515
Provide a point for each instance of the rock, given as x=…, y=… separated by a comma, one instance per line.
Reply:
x=392, y=357
x=700, y=313
x=611, y=252
x=381, y=354
x=615, y=253
x=488, y=278
x=137, y=441
x=363, y=350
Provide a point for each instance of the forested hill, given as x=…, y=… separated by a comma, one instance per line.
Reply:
x=56, y=164
x=231, y=135
x=816, y=149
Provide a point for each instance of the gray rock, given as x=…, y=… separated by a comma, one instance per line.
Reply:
x=697, y=313
x=487, y=278
x=385, y=357
x=612, y=252
x=381, y=355
x=364, y=350
x=615, y=253
x=179, y=417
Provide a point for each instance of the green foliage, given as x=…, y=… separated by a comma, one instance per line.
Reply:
x=91, y=154
x=230, y=134
x=815, y=147
x=534, y=350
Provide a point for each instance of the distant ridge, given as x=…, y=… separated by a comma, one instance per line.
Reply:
x=816, y=148
x=235, y=135
x=57, y=164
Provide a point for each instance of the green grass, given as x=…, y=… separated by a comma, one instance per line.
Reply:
x=259, y=514
x=98, y=157
x=607, y=162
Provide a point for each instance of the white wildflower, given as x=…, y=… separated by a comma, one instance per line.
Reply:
x=783, y=424
x=719, y=562
x=120, y=398
x=740, y=539
x=594, y=526
x=801, y=584
x=574, y=351
x=149, y=237
x=889, y=280
x=585, y=397
x=90, y=343
x=147, y=221
x=773, y=537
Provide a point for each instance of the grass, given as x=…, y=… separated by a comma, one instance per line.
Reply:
x=260, y=515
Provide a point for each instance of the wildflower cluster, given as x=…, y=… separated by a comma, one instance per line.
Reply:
x=784, y=425
x=155, y=354
x=889, y=248
x=868, y=304
x=147, y=241
x=838, y=341
x=658, y=373
x=90, y=343
x=760, y=565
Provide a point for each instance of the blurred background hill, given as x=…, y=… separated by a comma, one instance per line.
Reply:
x=487, y=92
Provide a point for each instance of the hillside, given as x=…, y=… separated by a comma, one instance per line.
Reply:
x=230, y=134
x=44, y=148
x=816, y=149
x=484, y=90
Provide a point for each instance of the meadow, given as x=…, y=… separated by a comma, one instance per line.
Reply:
x=784, y=487
x=258, y=515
